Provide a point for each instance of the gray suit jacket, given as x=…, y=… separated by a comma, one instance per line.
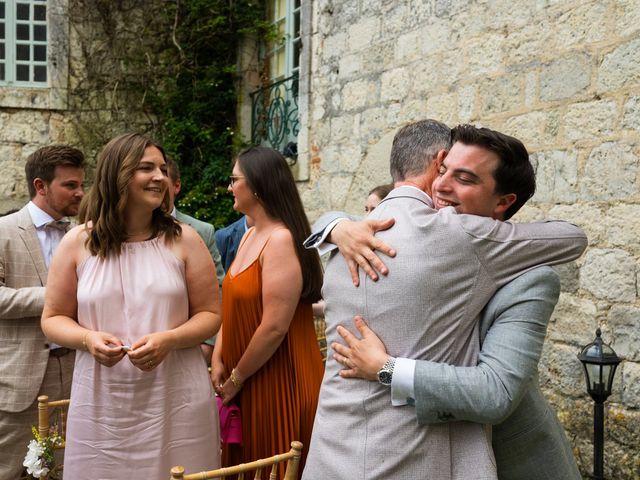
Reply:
x=207, y=233
x=23, y=276
x=528, y=441
x=447, y=268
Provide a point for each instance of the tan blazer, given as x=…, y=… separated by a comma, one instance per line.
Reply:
x=23, y=350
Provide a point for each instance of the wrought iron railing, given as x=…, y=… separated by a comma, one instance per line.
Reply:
x=274, y=115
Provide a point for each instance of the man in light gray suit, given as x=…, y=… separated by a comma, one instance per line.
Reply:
x=444, y=275
x=206, y=232
x=29, y=365
x=528, y=440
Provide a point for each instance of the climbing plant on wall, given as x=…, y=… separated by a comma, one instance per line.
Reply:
x=169, y=68
x=197, y=98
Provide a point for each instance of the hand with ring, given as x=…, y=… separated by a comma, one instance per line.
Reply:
x=149, y=351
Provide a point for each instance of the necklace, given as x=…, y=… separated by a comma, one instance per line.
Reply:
x=146, y=232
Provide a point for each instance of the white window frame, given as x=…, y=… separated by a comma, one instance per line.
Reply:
x=49, y=95
x=291, y=37
x=11, y=43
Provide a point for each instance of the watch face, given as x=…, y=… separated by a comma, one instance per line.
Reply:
x=384, y=377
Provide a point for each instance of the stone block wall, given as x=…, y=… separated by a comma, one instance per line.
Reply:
x=95, y=52
x=563, y=76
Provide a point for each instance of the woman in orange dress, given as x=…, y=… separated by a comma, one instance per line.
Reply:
x=266, y=358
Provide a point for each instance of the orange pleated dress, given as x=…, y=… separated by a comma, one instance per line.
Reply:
x=278, y=402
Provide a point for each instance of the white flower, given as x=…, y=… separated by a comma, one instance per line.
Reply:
x=33, y=460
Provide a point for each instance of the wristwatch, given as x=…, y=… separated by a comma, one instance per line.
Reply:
x=385, y=374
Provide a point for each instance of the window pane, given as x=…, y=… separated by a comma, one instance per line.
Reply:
x=296, y=4
x=22, y=73
x=39, y=73
x=22, y=31
x=22, y=52
x=40, y=12
x=296, y=54
x=40, y=32
x=2, y=30
x=282, y=32
x=280, y=9
x=278, y=64
x=1, y=71
x=1, y=9
x=2, y=50
x=22, y=11
x=296, y=24
x=40, y=53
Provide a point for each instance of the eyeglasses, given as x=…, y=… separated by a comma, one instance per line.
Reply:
x=234, y=178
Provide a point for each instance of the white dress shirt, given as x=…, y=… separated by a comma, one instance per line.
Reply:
x=49, y=237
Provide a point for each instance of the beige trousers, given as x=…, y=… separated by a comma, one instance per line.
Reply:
x=15, y=428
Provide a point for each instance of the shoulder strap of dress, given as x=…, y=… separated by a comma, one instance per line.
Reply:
x=267, y=242
x=245, y=237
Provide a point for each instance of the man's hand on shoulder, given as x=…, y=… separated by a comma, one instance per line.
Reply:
x=357, y=244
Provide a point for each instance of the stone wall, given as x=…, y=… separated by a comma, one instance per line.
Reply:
x=564, y=76
x=97, y=84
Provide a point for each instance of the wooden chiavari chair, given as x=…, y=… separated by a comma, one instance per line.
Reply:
x=292, y=457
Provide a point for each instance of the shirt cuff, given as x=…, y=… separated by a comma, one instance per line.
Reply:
x=402, y=392
x=322, y=245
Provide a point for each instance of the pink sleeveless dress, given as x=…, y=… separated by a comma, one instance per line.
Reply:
x=123, y=422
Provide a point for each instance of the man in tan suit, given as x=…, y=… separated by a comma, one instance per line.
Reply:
x=29, y=365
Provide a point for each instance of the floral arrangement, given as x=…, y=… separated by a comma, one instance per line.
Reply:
x=40, y=459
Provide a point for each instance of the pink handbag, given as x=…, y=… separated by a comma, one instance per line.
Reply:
x=230, y=422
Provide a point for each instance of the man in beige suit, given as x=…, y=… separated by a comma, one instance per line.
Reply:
x=29, y=365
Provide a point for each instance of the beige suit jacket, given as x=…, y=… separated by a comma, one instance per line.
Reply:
x=24, y=352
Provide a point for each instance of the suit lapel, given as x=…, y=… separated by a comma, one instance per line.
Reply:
x=32, y=244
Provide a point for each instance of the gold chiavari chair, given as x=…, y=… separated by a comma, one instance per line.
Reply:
x=292, y=457
x=46, y=410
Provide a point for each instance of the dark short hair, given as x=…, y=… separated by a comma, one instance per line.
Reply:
x=43, y=162
x=381, y=191
x=415, y=146
x=173, y=170
x=268, y=175
x=514, y=173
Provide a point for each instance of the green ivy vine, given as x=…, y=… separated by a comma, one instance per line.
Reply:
x=168, y=68
x=196, y=100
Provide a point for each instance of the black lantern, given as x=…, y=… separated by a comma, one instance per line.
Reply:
x=599, y=362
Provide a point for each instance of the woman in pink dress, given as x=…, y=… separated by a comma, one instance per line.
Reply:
x=135, y=293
